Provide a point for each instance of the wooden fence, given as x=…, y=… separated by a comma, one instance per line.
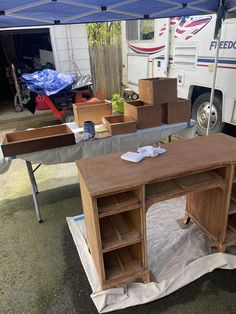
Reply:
x=106, y=68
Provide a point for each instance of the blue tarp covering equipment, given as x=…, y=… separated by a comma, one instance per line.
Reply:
x=48, y=82
x=16, y=13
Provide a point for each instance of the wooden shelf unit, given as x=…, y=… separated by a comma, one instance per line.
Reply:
x=117, y=235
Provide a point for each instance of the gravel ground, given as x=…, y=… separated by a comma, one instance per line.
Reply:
x=40, y=269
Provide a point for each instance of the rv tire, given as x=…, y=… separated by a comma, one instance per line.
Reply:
x=200, y=111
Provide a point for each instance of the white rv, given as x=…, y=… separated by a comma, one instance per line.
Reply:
x=184, y=47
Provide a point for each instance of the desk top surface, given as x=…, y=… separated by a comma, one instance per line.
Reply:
x=109, y=173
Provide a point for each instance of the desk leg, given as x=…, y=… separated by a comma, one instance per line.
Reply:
x=34, y=190
x=186, y=219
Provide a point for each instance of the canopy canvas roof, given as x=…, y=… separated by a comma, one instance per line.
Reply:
x=18, y=13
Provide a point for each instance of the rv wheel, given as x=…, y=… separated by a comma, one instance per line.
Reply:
x=68, y=117
x=200, y=112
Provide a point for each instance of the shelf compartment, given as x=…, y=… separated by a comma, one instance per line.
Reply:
x=120, y=230
x=232, y=206
x=233, y=193
x=115, y=203
x=230, y=238
x=123, y=263
x=160, y=191
x=232, y=223
x=234, y=178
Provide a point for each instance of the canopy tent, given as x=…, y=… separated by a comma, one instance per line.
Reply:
x=16, y=13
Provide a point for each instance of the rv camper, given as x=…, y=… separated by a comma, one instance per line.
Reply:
x=184, y=47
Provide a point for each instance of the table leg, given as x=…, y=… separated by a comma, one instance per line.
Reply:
x=35, y=183
x=34, y=190
x=186, y=219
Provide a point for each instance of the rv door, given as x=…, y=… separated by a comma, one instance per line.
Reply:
x=137, y=69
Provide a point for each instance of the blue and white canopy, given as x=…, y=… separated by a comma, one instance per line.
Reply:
x=16, y=13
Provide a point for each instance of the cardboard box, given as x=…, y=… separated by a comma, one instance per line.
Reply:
x=120, y=124
x=147, y=116
x=29, y=141
x=91, y=111
x=176, y=112
x=159, y=90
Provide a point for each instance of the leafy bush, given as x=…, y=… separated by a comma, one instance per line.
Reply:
x=118, y=103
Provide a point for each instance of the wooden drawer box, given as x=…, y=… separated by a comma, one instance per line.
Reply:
x=147, y=116
x=176, y=112
x=159, y=90
x=28, y=141
x=119, y=124
x=93, y=112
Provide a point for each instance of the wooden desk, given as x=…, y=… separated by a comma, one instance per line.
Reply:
x=116, y=194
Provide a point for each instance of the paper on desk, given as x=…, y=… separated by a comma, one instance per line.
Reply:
x=150, y=151
x=131, y=156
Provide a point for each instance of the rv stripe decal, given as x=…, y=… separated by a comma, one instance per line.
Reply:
x=207, y=60
x=212, y=60
x=146, y=50
x=199, y=22
x=219, y=66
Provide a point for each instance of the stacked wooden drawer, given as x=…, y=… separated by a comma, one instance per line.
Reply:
x=158, y=103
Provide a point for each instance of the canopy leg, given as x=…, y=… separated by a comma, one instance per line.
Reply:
x=214, y=81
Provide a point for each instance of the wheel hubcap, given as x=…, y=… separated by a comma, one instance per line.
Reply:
x=203, y=113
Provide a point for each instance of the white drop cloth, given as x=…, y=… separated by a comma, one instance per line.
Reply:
x=176, y=257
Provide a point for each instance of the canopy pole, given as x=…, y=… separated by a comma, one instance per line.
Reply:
x=214, y=81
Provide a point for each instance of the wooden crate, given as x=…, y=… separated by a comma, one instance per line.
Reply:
x=94, y=111
x=159, y=90
x=28, y=141
x=147, y=116
x=176, y=112
x=119, y=124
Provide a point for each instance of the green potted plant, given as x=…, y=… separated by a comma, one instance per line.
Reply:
x=117, y=103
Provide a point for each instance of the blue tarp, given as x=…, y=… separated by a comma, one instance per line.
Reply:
x=48, y=82
x=15, y=13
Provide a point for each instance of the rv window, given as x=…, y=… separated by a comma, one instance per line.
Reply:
x=132, y=30
x=146, y=29
x=140, y=30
